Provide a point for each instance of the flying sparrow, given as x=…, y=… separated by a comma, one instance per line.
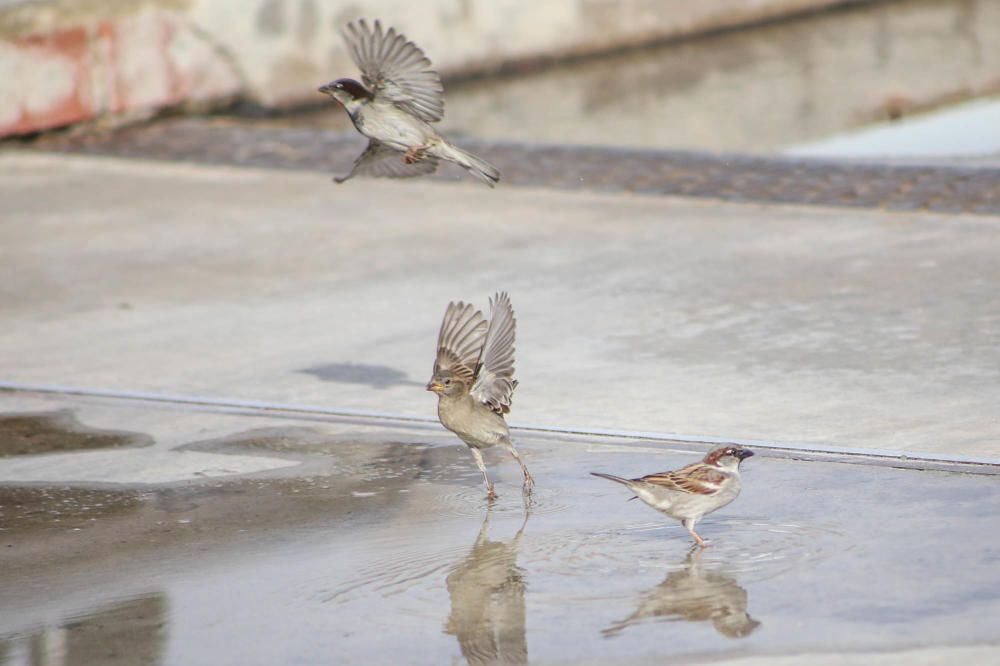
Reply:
x=474, y=379
x=694, y=491
x=399, y=98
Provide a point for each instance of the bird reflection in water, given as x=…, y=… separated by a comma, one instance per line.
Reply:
x=487, y=601
x=695, y=594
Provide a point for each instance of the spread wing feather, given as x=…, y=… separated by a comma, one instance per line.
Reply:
x=380, y=161
x=460, y=340
x=396, y=69
x=495, y=381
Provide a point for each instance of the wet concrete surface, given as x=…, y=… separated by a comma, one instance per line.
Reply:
x=123, y=633
x=377, y=545
x=57, y=431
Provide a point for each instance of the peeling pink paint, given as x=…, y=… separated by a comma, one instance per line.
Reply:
x=115, y=65
x=177, y=90
x=63, y=106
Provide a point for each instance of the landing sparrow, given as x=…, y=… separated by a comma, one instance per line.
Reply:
x=694, y=491
x=399, y=98
x=474, y=378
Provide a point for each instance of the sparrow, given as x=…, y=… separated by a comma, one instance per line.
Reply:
x=474, y=379
x=692, y=492
x=394, y=105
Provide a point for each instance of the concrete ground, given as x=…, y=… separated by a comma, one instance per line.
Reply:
x=827, y=327
x=281, y=494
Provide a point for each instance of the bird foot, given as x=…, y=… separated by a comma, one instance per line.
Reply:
x=491, y=494
x=414, y=154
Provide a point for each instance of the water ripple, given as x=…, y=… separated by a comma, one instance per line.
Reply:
x=471, y=501
x=752, y=549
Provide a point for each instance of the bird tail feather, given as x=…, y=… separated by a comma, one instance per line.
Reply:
x=612, y=477
x=477, y=166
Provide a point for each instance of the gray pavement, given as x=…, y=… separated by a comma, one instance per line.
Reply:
x=832, y=327
x=234, y=531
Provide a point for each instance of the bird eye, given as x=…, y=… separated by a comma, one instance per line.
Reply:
x=339, y=85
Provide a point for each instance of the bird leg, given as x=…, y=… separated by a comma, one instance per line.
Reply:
x=689, y=526
x=477, y=454
x=529, y=481
x=414, y=154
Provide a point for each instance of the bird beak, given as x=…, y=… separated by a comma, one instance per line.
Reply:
x=744, y=454
x=325, y=89
x=435, y=386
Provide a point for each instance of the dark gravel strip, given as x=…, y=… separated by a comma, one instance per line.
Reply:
x=940, y=188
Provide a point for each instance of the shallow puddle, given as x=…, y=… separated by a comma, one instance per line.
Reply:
x=59, y=430
x=379, y=546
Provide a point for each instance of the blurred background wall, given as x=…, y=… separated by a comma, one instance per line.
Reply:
x=66, y=61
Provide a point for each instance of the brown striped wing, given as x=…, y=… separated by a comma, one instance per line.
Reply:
x=697, y=478
x=396, y=69
x=495, y=381
x=460, y=341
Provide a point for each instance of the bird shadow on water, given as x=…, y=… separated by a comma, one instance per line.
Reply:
x=694, y=592
x=487, y=589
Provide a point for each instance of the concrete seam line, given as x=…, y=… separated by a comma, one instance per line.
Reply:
x=375, y=415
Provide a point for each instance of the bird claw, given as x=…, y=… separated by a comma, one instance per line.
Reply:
x=414, y=154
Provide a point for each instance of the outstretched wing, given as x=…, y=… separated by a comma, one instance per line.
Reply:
x=696, y=478
x=396, y=69
x=495, y=381
x=460, y=341
x=380, y=161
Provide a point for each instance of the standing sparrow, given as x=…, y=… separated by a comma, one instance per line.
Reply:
x=400, y=96
x=694, y=491
x=474, y=378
